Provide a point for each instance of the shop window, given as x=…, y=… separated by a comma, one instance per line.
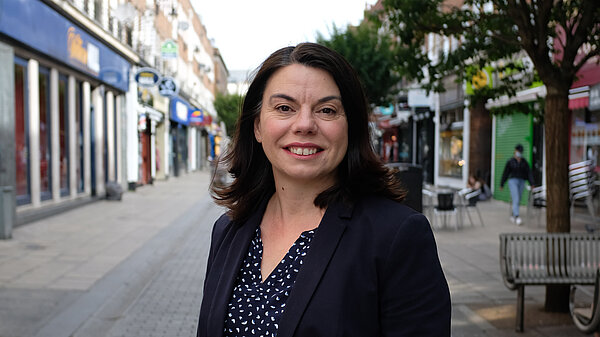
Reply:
x=115, y=134
x=23, y=191
x=79, y=135
x=405, y=142
x=585, y=136
x=63, y=133
x=451, y=143
x=105, y=136
x=45, y=152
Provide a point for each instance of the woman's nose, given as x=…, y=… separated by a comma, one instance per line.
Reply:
x=305, y=121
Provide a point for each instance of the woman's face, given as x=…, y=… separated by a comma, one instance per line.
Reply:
x=302, y=125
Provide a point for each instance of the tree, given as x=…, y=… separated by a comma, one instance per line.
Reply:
x=371, y=54
x=558, y=36
x=228, y=109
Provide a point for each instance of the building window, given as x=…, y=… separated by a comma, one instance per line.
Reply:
x=23, y=191
x=45, y=141
x=128, y=36
x=451, y=143
x=98, y=11
x=63, y=132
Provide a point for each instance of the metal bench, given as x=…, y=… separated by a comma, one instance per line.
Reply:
x=581, y=184
x=586, y=318
x=547, y=258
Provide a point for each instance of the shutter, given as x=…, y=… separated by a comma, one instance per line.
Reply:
x=511, y=130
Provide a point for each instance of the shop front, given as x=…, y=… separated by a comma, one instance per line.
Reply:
x=178, y=131
x=68, y=89
x=451, y=166
x=584, y=103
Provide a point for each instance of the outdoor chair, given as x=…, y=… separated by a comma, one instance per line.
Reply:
x=468, y=199
x=446, y=208
x=428, y=204
x=581, y=185
x=536, y=201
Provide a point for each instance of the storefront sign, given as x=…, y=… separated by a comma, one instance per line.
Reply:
x=168, y=87
x=147, y=77
x=179, y=110
x=168, y=50
x=38, y=26
x=594, y=98
x=483, y=78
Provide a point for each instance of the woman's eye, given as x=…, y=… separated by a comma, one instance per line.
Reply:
x=284, y=108
x=328, y=111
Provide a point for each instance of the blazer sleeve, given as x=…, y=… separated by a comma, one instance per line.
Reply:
x=415, y=297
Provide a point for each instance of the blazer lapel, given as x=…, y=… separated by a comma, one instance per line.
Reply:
x=231, y=263
x=322, y=248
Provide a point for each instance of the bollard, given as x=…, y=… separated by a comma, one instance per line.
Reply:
x=7, y=212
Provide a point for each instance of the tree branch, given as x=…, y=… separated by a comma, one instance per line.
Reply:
x=577, y=66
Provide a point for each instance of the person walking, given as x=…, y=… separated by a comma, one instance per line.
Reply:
x=516, y=172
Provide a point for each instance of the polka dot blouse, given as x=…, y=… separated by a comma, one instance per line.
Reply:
x=255, y=306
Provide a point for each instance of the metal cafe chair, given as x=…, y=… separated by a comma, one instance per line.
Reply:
x=468, y=199
x=446, y=208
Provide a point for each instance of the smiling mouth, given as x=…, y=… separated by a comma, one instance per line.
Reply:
x=304, y=151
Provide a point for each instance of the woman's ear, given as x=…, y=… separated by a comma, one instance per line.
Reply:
x=257, y=130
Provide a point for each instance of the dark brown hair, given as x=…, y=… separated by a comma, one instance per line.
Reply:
x=360, y=172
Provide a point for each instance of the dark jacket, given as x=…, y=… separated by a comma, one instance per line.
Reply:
x=516, y=169
x=372, y=270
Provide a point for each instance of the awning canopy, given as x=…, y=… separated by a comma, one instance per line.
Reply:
x=522, y=96
x=579, y=103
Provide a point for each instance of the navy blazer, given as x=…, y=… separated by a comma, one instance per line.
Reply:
x=372, y=270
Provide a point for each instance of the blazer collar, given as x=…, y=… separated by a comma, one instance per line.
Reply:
x=322, y=247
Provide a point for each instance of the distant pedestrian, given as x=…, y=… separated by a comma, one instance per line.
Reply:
x=517, y=172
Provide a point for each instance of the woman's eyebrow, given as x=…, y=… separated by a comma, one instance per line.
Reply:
x=291, y=99
x=284, y=96
x=330, y=98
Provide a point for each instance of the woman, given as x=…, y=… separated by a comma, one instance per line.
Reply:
x=315, y=241
x=516, y=171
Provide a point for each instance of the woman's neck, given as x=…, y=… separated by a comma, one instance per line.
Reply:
x=292, y=207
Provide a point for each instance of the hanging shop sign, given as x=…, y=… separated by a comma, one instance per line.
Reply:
x=168, y=87
x=147, y=77
x=35, y=24
x=168, y=50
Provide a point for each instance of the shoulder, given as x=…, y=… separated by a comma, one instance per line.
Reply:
x=223, y=225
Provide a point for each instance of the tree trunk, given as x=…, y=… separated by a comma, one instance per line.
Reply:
x=557, y=122
x=480, y=145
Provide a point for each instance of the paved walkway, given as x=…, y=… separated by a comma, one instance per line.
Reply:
x=136, y=267
x=482, y=305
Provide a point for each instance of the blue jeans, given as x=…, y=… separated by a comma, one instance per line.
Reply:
x=516, y=186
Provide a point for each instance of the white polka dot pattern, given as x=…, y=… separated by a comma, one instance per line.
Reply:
x=255, y=307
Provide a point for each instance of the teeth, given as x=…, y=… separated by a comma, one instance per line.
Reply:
x=303, y=151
